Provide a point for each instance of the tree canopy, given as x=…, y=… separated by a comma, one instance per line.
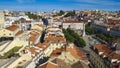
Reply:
x=32, y=16
x=70, y=13
x=72, y=36
x=106, y=37
x=91, y=30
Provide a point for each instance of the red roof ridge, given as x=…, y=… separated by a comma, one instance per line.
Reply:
x=12, y=28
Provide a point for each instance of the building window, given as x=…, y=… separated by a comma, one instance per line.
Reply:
x=10, y=34
x=69, y=26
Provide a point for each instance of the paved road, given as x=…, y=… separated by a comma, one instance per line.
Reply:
x=90, y=42
x=6, y=62
x=3, y=42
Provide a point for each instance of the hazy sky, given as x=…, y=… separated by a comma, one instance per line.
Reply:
x=49, y=5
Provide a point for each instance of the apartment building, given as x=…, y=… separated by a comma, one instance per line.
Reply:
x=2, y=19
x=9, y=31
x=66, y=57
x=101, y=56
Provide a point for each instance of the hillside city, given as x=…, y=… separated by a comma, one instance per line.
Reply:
x=60, y=39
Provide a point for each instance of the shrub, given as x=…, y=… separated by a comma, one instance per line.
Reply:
x=11, y=53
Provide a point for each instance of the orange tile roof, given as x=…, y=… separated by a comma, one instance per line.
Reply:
x=33, y=51
x=57, y=52
x=53, y=38
x=12, y=28
x=102, y=48
x=34, y=35
x=19, y=32
x=39, y=46
x=42, y=45
x=72, y=21
x=77, y=53
x=113, y=55
x=69, y=20
x=53, y=30
x=112, y=21
x=48, y=65
x=32, y=38
x=107, y=51
x=116, y=64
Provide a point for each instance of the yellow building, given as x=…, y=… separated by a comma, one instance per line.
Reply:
x=9, y=31
x=37, y=27
x=2, y=19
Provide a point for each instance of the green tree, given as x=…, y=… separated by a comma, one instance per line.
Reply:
x=32, y=16
x=61, y=12
x=72, y=36
x=103, y=37
x=89, y=24
x=11, y=53
x=91, y=30
x=70, y=13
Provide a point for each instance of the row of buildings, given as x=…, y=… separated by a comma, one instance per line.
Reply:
x=54, y=52
x=101, y=56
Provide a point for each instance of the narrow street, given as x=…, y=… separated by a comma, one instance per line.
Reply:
x=90, y=41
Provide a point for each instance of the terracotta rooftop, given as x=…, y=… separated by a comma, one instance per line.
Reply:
x=33, y=51
x=34, y=35
x=107, y=51
x=57, y=52
x=12, y=28
x=37, y=49
x=51, y=28
x=71, y=21
x=51, y=38
x=56, y=20
x=116, y=64
x=113, y=55
x=77, y=53
x=32, y=38
x=48, y=65
x=19, y=32
x=102, y=48
x=112, y=21
x=42, y=45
